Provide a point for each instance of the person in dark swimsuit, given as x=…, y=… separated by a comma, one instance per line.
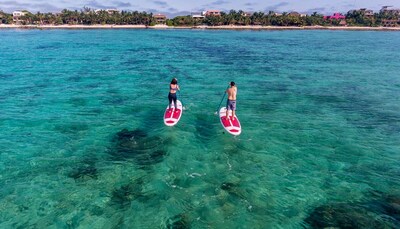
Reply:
x=173, y=87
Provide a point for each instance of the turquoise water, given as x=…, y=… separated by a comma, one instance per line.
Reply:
x=83, y=144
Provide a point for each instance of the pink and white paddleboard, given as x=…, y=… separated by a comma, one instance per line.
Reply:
x=232, y=126
x=172, y=116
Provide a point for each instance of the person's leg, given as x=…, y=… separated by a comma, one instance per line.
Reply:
x=227, y=110
x=170, y=100
x=233, y=110
x=175, y=102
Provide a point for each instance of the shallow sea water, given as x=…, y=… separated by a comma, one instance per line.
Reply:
x=83, y=144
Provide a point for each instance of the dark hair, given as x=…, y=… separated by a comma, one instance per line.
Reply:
x=174, y=81
x=232, y=83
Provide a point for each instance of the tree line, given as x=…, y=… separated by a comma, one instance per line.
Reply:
x=353, y=18
x=86, y=16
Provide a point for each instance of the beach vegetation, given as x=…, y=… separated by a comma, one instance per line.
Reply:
x=314, y=19
x=5, y=18
x=88, y=16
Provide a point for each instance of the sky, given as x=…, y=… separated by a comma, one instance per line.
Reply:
x=183, y=7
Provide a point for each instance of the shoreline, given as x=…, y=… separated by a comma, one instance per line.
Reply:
x=223, y=27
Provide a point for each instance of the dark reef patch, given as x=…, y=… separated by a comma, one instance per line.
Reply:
x=96, y=210
x=227, y=186
x=233, y=190
x=179, y=221
x=127, y=135
x=150, y=158
x=379, y=213
x=144, y=150
x=124, y=195
x=84, y=170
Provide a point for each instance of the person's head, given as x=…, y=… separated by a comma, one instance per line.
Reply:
x=232, y=84
x=174, y=81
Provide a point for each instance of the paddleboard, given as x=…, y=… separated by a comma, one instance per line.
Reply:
x=172, y=116
x=232, y=126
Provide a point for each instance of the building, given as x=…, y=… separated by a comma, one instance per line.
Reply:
x=367, y=13
x=335, y=16
x=387, y=10
x=197, y=15
x=212, y=13
x=160, y=18
x=247, y=14
x=109, y=11
x=18, y=16
x=390, y=23
x=296, y=14
x=364, y=11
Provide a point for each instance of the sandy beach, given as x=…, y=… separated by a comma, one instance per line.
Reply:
x=303, y=28
x=7, y=26
x=227, y=27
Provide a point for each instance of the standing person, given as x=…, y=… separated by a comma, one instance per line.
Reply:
x=173, y=87
x=231, y=103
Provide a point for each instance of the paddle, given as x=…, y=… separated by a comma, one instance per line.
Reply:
x=180, y=96
x=221, y=101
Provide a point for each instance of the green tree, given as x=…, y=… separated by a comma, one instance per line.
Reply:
x=5, y=18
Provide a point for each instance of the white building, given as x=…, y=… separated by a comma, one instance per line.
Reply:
x=390, y=9
x=109, y=11
x=17, y=16
x=198, y=15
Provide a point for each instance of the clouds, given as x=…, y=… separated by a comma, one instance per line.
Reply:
x=219, y=2
x=97, y=5
x=161, y=4
x=318, y=10
x=122, y=4
x=172, y=10
x=56, y=6
x=113, y=5
x=276, y=7
x=10, y=6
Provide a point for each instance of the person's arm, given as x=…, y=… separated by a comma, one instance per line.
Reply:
x=177, y=86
